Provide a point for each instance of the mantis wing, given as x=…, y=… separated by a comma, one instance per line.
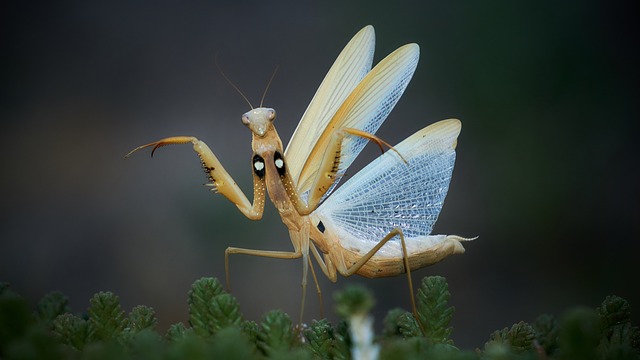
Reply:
x=389, y=193
x=353, y=63
x=365, y=109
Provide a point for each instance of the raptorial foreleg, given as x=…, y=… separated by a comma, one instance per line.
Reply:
x=221, y=181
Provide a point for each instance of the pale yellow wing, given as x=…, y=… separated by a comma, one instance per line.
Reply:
x=365, y=109
x=353, y=63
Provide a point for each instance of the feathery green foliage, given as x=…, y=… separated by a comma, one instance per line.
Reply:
x=210, y=308
x=342, y=343
x=408, y=326
x=250, y=329
x=620, y=337
x=233, y=343
x=519, y=338
x=434, y=312
x=177, y=332
x=579, y=335
x=72, y=330
x=217, y=330
x=106, y=316
x=142, y=318
x=546, y=328
x=15, y=316
x=50, y=306
x=276, y=333
x=390, y=323
x=353, y=300
x=320, y=338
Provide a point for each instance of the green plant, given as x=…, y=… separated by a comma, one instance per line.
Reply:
x=216, y=328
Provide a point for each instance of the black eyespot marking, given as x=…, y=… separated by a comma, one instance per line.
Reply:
x=321, y=227
x=208, y=170
x=258, y=166
x=279, y=163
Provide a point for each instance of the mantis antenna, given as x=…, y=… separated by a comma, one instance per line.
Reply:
x=264, y=94
x=269, y=84
x=215, y=60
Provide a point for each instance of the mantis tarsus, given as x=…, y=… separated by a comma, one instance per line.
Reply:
x=376, y=224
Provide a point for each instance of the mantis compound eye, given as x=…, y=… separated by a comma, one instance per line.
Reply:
x=245, y=119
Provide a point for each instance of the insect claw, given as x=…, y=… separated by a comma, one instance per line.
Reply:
x=371, y=137
x=164, y=142
x=136, y=149
x=158, y=145
x=154, y=144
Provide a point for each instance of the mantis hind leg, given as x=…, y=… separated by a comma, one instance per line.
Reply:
x=405, y=259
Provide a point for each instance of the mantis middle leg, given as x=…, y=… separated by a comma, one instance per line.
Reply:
x=300, y=241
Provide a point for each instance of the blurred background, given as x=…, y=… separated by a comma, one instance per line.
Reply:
x=547, y=173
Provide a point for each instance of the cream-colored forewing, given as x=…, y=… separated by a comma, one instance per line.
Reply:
x=365, y=109
x=353, y=63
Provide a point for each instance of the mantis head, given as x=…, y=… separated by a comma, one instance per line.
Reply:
x=259, y=120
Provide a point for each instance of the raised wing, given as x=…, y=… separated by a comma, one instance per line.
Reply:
x=388, y=193
x=353, y=63
x=365, y=109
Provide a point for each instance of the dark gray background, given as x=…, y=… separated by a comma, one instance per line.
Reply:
x=547, y=172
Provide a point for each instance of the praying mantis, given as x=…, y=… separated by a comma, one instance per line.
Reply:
x=379, y=222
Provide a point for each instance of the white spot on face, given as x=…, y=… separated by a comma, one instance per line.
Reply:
x=258, y=165
x=279, y=163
